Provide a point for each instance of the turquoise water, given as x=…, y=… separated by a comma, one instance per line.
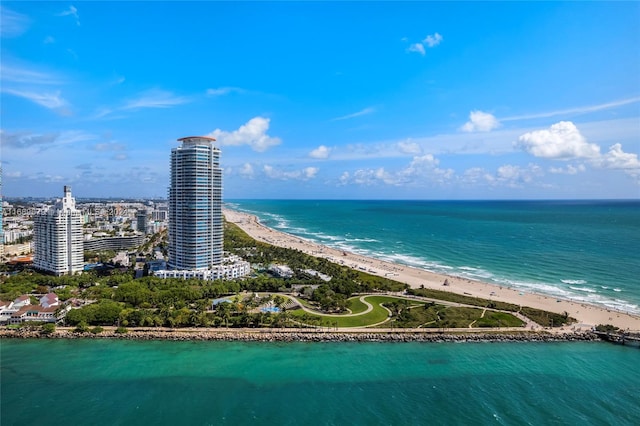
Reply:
x=200, y=383
x=582, y=250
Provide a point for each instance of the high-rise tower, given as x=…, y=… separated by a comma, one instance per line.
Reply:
x=195, y=205
x=57, y=237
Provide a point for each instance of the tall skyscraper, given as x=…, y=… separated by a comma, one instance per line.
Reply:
x=57, y=237
x=195, y=205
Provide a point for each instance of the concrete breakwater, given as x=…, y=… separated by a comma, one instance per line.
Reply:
x=304, y=336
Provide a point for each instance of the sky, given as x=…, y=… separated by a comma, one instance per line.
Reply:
x=324, y=100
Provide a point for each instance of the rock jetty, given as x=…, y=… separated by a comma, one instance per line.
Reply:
x=258, y=335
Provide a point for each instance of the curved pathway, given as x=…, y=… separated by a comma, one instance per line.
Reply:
x=528, y=323
x=311, y=311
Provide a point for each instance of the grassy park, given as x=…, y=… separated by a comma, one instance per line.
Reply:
x=398, y=312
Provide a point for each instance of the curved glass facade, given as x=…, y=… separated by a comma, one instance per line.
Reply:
x=195, y=205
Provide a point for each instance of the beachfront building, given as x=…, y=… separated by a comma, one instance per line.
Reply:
x=231, y=268
x=195, y=205
x=195, y=214
x=57, y=237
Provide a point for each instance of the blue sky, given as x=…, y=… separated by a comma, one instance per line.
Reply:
x=324, y=100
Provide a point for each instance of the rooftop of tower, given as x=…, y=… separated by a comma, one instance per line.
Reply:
x=196, y=139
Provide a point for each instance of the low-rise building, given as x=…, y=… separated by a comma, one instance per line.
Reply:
x=49, y=300
x=232, y=267
x=21, y=310
x=34, y=313
x=282, y=271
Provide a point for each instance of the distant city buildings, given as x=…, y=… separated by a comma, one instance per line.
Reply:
x=141, y=221
x=121, y=242
x=57, y=237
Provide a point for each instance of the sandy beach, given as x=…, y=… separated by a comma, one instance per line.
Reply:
x=587, y=315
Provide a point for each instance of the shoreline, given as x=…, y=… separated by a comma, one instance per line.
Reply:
x=308, y=335
x=588, y=315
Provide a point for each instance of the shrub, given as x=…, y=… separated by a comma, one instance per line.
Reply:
x=607, y=328
x=48, y=328
x=82, y=327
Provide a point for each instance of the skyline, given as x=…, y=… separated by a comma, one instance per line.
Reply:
x=324, y=100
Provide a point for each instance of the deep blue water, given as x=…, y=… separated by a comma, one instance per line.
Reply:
x=582, y=250
x=78, y=382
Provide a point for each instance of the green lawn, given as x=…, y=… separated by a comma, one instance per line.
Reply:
x=418, y=315
x=355, y=305
x=377, y=315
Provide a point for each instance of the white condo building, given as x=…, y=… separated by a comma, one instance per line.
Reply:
x=195, y=205
x=57, y=237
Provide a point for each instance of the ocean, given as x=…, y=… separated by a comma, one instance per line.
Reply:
x=587, y=251
x=580, y=250
x=100, y=382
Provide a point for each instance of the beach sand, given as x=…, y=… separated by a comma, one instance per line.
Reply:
x=587, y=315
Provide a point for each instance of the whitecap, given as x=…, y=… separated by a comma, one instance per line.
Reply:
x=574, y=281
x=588, y=290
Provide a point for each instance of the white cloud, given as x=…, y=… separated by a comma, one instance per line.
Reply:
x=310, y=172
x=247, y=170
x=50, y=100
x=25, y=75
x=12, y=24
x=119, y=157
x=508, y=175
x=616, y=158
x=155, y=99
x=422, y=170
x=72, y=11
x=369, y=177
x=26, y=140
x=417, y=47
x=480, y=122
x=430, y=41
x=577, y=110
x=344, y=179
x=252, y=133
x=425, y=162
x=515, y=176
x=220, y=91
x=433, y=40
x=320, y=152
x=407, y=147
x=304, y=174
x=570, y=169
x=360, y=113
x=49, y=40
x=10, y=174
x=477, y=175
x=561, y=141
x=109, y=146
